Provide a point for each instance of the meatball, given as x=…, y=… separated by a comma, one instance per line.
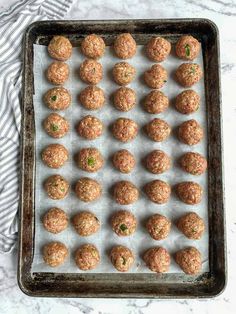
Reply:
x=156, y=102
x=125, y=193
x=189, y=192
x=57, y=73
x=158, y=227
x=156, y=76
x=123, y=161
x=91, y=71
x=123, y=73
x=60, y=48
x=89, y=159
x=158, y=49
x=190, y=132
x=158, y=130
x=90, y=127
x=188, y=74
x=187, y=102
x=87, y=257
x=124, y=99
x=55, y=220
x=123, y=223
x=92, y=97
x=193, y=163
x=191, y=225
x=55, y=125
x=55, y=253
x=85, y=223
x=124, y=129
x=125, y=46
x=157, y=162
x=56, y=187
x=157, y=259
x=122, y=258
x=88, y=190
x=187, y=47
x=55, y=155
x=57, y=98
x=93, y=46
x=158, y=191
x=189, y=259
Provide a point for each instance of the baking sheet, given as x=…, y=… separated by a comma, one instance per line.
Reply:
x=105, y=206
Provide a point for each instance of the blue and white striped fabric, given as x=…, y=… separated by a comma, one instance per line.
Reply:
x=13, y=23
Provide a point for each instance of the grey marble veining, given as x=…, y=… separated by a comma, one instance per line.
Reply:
x=223, y=13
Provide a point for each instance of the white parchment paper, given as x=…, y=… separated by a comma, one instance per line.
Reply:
x=105, y=206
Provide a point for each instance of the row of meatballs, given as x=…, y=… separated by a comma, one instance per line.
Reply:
x=157, y=259
x=91, y=160
x=123, y=223
x=124, y=192
x=125, y=47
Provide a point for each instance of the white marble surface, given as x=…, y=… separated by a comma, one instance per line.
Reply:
x=223, y=13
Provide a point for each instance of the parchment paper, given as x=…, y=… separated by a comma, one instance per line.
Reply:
x=105, y=206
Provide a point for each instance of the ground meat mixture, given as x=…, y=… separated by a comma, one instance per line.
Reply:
x=125, y=46
x=123, y=223
x=158, y=227
x=158, y=49
x=189, y=192
x=157, y=162
x=122, y=258
x=191, y=225
x=56, y=126
x=124, y=99
x=123, y=73
x=125, y=193
x=156, y=76
x=189, y=259
x=55, y=220
x=187, y=102
x=58, y=73
x=55, y=253
x=124, y=129
x=188, y=74
x=91, y=71
x=90, y=127
x=87, y=257
x=56, y=187
x=55, y=155
x=157, y=259
x=92, y=97
x=190, y=132
x=193, y=163
x=123, y=161
x=158, y=191
x=57, y=98
x=93, y=46
x=86, y=223
x=89, y=159
x=60, y=48
x=187, y=47
x=88, y=190
x=158, y=130
x=156, y=102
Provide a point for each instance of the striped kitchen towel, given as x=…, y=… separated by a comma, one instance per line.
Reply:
x=13, y=23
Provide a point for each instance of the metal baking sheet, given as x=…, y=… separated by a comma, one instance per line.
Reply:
x=139, y=285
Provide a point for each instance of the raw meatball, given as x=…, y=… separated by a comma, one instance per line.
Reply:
x=190, y=132
x=88, y=190
x=124, y=129
x=60, y=48
x=89, y=159
x=87, y=257
x=91, y=71
x=90, y=127
x=93, y=46
x=92, y=97
x=122, y=258
x=55, y=155
x=156, y=76
x=56, y=126
x=189, y=259
x=158, y=49
x=125, y=193
x=125, y=46
x=55, y=253
x=158, y=191
x=158, y=227
x=187, y=102
x=56, y=187
x=187, y=47
x=55, y=220
x=188, y=74
x=156, y=102
x=124, y=161
x=123, y=223
x=124, y=99
x=158, y=130
x=123, y=73
x=157, y=162
x=157, y=259
x=189, y=192
x=191, y=225
x=57, y=98
x=85, y=223
x=58, y=72
x=193, y=163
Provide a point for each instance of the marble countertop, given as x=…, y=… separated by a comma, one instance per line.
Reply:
x=223, y=13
